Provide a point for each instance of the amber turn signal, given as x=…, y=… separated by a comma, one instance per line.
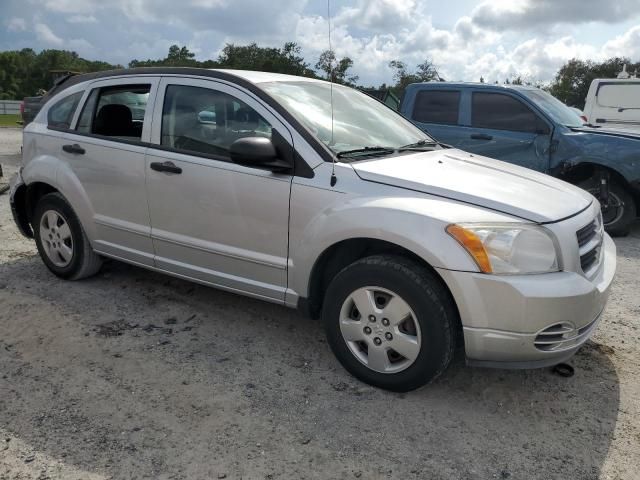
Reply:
x=471, y=244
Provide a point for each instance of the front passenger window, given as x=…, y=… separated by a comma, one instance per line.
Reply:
x=503, y=112
x=203, y=120
x=115, y=112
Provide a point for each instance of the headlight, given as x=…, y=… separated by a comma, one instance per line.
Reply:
x=508, y=248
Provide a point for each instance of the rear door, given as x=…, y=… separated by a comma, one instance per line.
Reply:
x=502, y=126
x=106, y=151
x=437, y=113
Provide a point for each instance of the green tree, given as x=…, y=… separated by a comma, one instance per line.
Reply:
x=23, y=72
x=572, y=82
x=177, y=57
x=287, y=59
x=424, y=72
x=336, y=70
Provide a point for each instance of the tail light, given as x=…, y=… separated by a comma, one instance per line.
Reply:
x=584, y=118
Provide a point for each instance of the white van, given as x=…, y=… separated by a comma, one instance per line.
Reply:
x=614, y=102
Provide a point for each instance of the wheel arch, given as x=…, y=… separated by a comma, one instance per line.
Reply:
x=586, y=170
x=24, y=201
x=47, y=174
x=343, y=253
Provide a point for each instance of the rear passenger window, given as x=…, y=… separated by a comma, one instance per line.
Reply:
x=61, y=113
x=202, y=120
x=437, y=106
x=503, y=112
x=115, y=112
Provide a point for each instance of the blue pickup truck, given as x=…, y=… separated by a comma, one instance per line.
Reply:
x=529, y=127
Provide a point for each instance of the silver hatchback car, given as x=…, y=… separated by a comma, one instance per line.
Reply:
x=319, y=197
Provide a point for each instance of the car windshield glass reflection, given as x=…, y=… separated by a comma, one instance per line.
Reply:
x=359, y=120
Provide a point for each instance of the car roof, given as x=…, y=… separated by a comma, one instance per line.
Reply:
x=238, y=76
x=475, y=85
x=254, y=76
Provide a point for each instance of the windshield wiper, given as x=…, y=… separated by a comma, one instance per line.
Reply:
x=374, y=150
x=421, y=145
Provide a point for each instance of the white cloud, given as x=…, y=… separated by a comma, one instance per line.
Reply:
x=625, y=45
x=541, y=14
x=378, y=15
x=82, y=19
x=16, y=24
x=45, y=35
x=496, y=39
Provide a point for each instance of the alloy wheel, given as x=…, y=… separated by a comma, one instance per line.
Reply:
x=56, y=239
x=380, y=329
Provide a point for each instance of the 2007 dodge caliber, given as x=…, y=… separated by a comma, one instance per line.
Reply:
x=253, y=183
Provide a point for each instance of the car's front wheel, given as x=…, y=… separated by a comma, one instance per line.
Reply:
x=390, y=322
x=619, y=211
x=61, y=241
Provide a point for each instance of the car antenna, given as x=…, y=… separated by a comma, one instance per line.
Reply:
x=334, y=179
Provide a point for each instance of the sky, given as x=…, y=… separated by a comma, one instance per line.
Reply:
x=466, y=39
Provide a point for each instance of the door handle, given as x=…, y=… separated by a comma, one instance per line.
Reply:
x=168, y=167
x=481, y=136
x=75, y=149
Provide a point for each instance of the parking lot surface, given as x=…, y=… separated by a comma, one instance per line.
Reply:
x=132, y=374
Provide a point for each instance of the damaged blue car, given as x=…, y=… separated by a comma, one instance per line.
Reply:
x=529, y=127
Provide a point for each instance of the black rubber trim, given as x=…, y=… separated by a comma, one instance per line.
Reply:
x=320, y=148
x=525, y=365
x=304, y=307
x=20, y=216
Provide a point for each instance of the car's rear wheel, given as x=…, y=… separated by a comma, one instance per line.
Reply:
x=619, y=212
x=61, y=241
x=390, y=322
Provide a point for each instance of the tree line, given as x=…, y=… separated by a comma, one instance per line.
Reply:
x=25, y=73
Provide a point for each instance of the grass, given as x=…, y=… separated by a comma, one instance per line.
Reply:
x=10, y=120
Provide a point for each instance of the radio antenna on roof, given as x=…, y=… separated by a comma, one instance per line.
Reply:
x=334, y=179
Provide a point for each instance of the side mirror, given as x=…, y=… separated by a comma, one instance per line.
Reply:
x=257, y=152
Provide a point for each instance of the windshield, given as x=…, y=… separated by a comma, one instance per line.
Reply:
x=557, y=110
x=359, y=120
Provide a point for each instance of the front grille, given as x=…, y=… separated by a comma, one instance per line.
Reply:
x=561, y=336
x=586, y=233
x=589, y=244
x=589, y=259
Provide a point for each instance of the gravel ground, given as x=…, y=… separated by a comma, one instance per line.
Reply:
x=132, y=374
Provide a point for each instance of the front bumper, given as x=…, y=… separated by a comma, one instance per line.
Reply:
x=504, y=317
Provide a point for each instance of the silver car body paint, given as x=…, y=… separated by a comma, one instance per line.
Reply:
x=260, y=233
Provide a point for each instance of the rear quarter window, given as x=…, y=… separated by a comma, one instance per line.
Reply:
x=437, y=106
x=61, y=113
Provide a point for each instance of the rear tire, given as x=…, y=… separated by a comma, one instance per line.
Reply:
x=404, y=306
x=61, y=241
x=621, y=212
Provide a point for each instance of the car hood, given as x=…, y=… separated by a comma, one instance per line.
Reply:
x=619, y=131
x=481, y=181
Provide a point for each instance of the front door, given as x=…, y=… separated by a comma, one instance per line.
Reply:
x=106, y=151
x=214, y=220
x=503, y=127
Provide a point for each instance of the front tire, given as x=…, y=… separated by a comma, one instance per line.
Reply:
x=390, y=322
x=621, y=211
x=61, y=241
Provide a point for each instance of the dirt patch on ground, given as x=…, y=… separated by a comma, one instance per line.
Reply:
x=132, y=374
